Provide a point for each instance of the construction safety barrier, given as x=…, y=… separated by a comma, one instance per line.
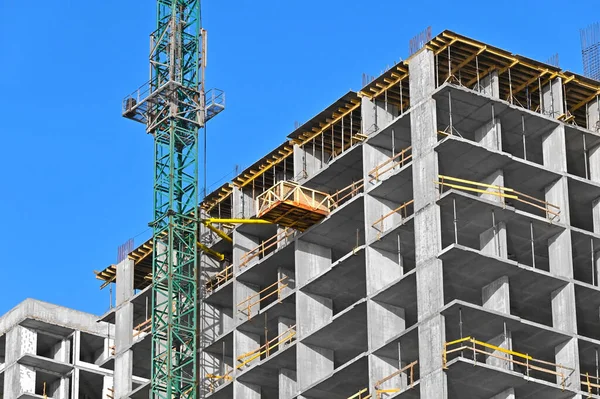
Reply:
x=587, y=383
x=397, y=160
x=219, y=279
x=268, y=348
x=380, y=392
x=475, y=347
x=404, y=211
x=143, y=327
x=552, y=211
x=274, y=289
x=214, y=380
x=341, y=196
x=267, y=245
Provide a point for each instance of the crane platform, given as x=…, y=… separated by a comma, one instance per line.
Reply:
x=289, y=204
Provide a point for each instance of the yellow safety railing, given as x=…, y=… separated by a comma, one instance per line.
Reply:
x=340, y=196
x=586, y=382
x=214, y=380
x=359, y=394
x=292, y=192
x=379, y=392
x=403, y=210
x=143, y=327
x=552, y=211
x=469, y=344
x=397, y=160
x=111, y=395
x=252, y=300
x=219, y=278
x=266, y=350
x=266, y=246
x=409, y=369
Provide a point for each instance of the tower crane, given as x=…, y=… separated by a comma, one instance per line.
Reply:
x=174, y=106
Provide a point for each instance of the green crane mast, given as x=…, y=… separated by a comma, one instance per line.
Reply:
x=174, y=107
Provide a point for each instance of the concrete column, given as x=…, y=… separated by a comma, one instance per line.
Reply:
x=242, y=244
x=313, y=364
x=493, y=241
x=593, y=115
x=430, y=287
x=490, y=134
x=59, y=389
x=596, y=215
x=243, y=205
x=506, y=394
x=312, y=312
x=376, y=115
x=19, y=379
x=496, y=179
x=311, y=259
x=375, y=209
x=107, y=387
x=308, y=161
x=594, y=163
x=385, y=322
x=382, y=267
x=564, y=319
x=244, y=390
x=496, y=297
x=75, y=383
x=490, y=84
x=372, y=157
x=290, y=280
x=381, y=367
x=552, y=98
x=245, y=342
x=243, y=291
x=287, y=383
x=124, y=329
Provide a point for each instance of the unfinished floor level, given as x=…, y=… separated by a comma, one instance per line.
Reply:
x=434, y=235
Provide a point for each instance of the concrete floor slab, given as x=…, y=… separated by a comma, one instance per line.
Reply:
x=266, y=372
x=344, y=282
x=45, y=363
x=400, y=127
x=344, y=382
x=403, y=294
x=338, y=173
x=346, y=334
x=467, y=271
x=483, y=324
x=396, y=187
x=408, y=340
x=477, y=380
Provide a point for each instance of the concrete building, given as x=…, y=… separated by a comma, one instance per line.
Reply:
x=435, y=235
x=47, y=351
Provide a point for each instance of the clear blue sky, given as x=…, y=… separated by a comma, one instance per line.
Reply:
x=77, y=177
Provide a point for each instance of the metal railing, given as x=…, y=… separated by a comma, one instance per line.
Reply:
x=586, y=382
x=267, y=245
x=219, y=279
x=274, y=289
x=380, y=392
x=475, y=347
x=346, y=193
x=143, y=327
x=397, y=160
x=267, y=349
x=403, y=210
x=552, y=211
x=288, y=191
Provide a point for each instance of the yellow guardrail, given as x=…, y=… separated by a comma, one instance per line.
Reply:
x=402, y=210
x=275, y=288
x=552, y=211
x=219, y=278
x=285, y=337
x=399, y=159
x=469, y=344
x=266, y=245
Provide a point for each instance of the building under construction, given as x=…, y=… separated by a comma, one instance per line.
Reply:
x=434, y=235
